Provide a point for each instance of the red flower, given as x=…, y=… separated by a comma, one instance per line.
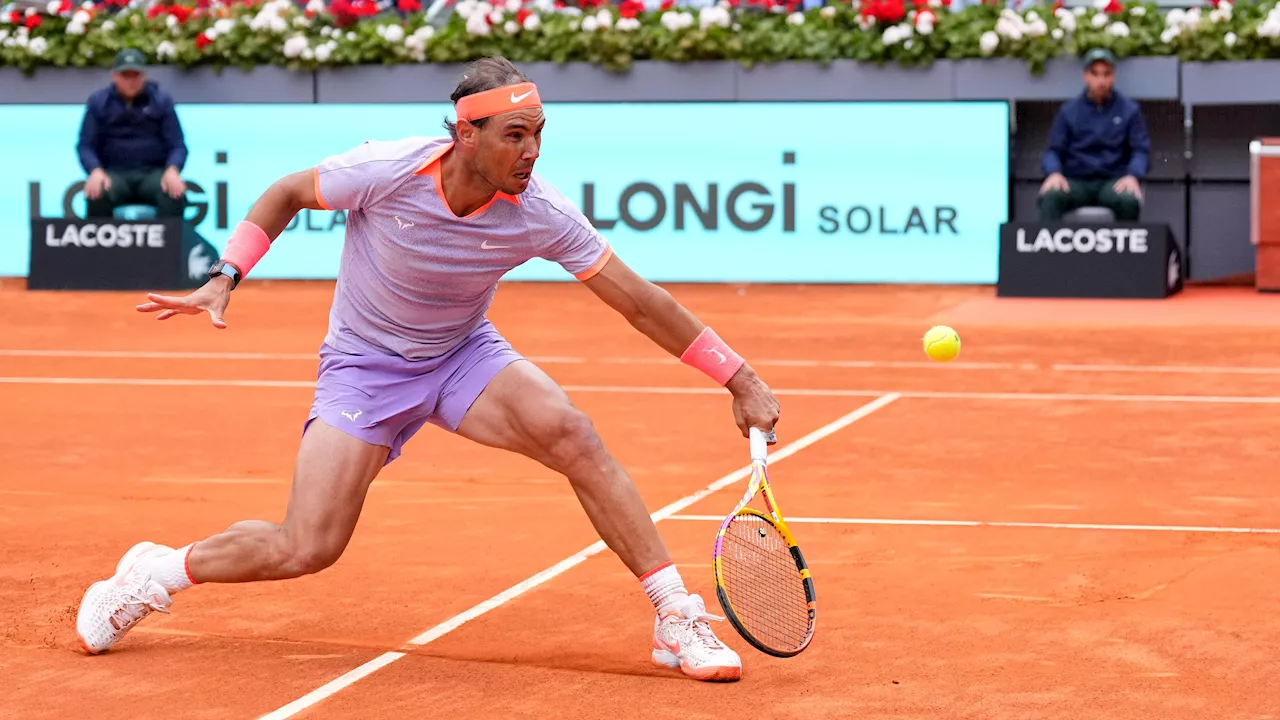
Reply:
x=64, y=7
x=15, y=17
x=155, y=11
x=886, y=12
x=630, y=8
x=522, y=14
x=668, y=4
x=202, y=42
x=1113, y=8
x=32, y=22
x=926, y=15
x=182, y=12
x=409, y=6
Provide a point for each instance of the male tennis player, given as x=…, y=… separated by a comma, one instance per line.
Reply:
x=432, y=224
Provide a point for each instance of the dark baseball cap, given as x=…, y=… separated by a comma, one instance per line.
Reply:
x=129, y=59
x=1099, y=54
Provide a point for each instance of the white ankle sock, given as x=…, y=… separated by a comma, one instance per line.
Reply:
x=170, y=570
x=664, y=587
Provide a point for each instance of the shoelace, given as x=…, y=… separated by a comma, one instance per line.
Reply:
x=133, y=610
x=700, y=626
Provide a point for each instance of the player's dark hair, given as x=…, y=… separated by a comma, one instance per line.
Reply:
x=483, y=74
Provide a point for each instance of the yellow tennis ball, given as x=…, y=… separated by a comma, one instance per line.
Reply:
x=941, y=343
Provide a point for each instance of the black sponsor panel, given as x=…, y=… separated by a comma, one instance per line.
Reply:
x=109, y=254
x=1110, y=260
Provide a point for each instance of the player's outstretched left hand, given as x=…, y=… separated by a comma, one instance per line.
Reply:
x=212, y=298
x=753, y=402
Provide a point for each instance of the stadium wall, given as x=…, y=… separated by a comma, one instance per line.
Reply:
x=1201, y=116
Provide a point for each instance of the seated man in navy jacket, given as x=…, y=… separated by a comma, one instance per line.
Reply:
x=131, y=144
x=1098, y=148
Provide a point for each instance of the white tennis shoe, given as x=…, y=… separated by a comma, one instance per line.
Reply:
x=110, y=608
x=683, y=639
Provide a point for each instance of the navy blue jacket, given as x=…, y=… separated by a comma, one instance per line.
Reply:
x=1089, y=141
x=115, y=135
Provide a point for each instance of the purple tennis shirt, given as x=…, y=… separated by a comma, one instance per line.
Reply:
x=416, y=279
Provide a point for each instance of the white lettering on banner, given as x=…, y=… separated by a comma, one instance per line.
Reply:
x=93, y=235
x=1085, y=240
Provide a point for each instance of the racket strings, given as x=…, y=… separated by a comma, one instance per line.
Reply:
x=763, y=584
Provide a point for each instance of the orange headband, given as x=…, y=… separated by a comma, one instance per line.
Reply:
x=498, y=100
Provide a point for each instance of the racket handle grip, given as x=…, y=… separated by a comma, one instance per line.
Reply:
x=759, y=444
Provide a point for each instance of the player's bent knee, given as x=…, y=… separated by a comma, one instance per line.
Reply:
x=299, y=558
x=568, y=438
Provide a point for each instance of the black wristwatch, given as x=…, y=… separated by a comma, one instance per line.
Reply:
x=222, y=267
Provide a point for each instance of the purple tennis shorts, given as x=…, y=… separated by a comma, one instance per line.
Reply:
x=385, y=399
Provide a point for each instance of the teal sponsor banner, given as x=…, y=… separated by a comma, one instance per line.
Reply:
x=829, y=192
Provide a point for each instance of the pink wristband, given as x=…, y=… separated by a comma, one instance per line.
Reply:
x=712, y=356
x=247, y=246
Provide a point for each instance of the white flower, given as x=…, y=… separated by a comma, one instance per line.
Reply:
x=38, y=46
x=81, y=17
x=891, y=36
x=483, y=8
x=532, y=22
x=570, y=10
x=827, y=12
x=52, y=7
x=495, y=17
x=21, y=41
x=1079, y=11
x=1169, y=34
x=465, y=8
x=1099, y=21
x=29, y=12
x=75, y=28
x=866, y=22
x=989, y=42
x=795, y=18
x=301, y=21
x=627, y=25
x=590, y=24
x=211, y=34
x=1101, y=4
x=1230, y=39
x=925, y=27
x=86, y=5
x=511, y=27
x=1176, y=16
x=323, y=52
x=1038, y=28
x=674, y=20
x=351, y=36
x=477, y=24
x=1058, y=34
x=1118, y=29
x=1032, y=16
x=224, y=26
x=1270, y=27
x=165, y=50
x=109, y=26
x=1137, y=11
x=315, y=6
x=605, y=18
x=713, y=16
x=294, y=46
x=171, y=21
x=1009, y=29
x=513, y=6
x=4, y=35
x=394, y=34
x=1066, y=20
x=544, y=5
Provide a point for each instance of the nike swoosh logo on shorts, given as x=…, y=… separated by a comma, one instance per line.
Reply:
x=517, y=98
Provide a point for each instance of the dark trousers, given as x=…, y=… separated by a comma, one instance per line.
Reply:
x=136, y=186
x=1099, y=193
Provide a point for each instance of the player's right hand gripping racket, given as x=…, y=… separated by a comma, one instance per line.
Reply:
x=762, y=581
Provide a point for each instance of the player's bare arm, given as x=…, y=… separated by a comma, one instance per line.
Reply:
x=660, y=317
x=272, y=213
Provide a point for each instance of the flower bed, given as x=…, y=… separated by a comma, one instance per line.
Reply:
x=357, y=32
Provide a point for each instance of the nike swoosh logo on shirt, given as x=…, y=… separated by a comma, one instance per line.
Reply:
x=486, y=246
x=517, y=98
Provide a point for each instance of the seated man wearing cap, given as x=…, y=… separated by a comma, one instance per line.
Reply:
x=131, y=144
x=1098, y=148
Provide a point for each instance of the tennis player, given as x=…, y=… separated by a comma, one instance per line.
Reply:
x=432, y=224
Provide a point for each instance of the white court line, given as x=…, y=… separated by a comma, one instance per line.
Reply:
x=675, y=390
x=765, y=362
x=981, y=523
x=561, y=567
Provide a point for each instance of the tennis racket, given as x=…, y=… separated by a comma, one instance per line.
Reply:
x=762, y=581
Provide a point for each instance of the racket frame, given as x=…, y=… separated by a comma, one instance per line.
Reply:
x=760, y=482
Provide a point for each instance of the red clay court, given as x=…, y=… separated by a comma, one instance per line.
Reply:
x=1076, y=519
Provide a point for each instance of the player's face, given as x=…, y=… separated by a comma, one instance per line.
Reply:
x=129, y=83
x=1098, y=79
x=507, y=148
